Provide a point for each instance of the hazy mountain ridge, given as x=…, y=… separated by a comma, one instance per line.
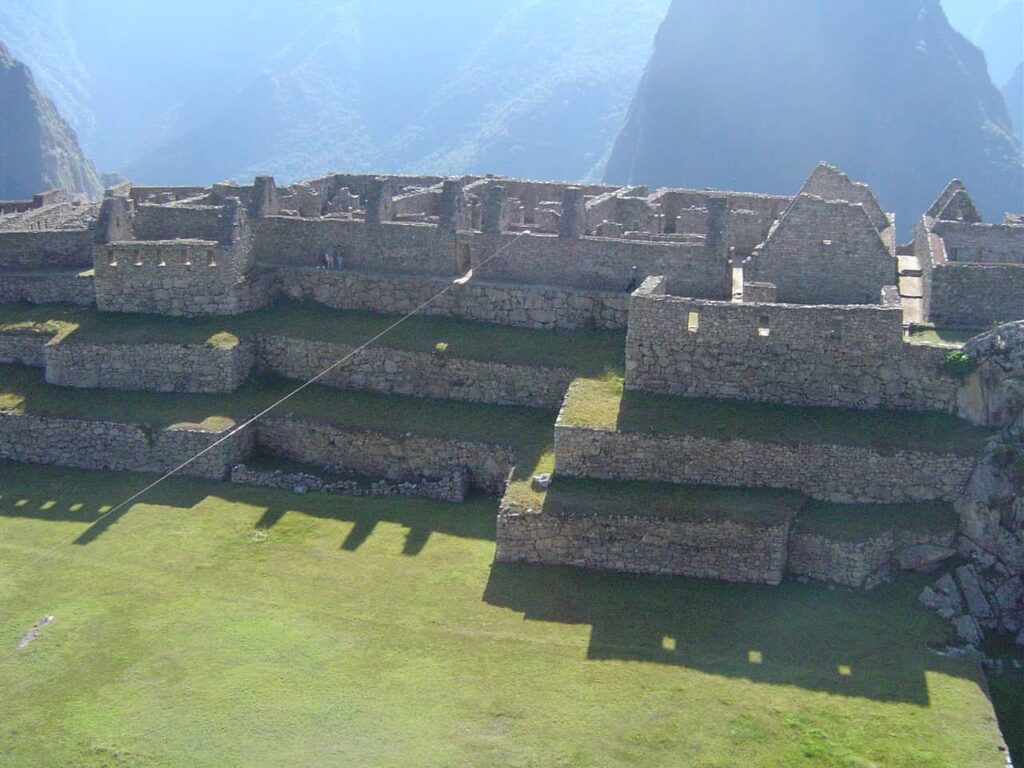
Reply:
x=1013, y=94
x=38, y=149
x=885, y=89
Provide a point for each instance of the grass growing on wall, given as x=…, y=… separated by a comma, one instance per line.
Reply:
x=24, y=390
x=586, y=351
x=858, y=522
x=603, y=403
x=213, y=625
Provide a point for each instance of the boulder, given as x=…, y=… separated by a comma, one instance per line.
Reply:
x=968, y=629
x=922, y=557
x=970, y=584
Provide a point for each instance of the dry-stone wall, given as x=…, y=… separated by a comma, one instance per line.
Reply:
x=825, y=355
x=175, y=277
x=47, y=288
x=64, y=249
x=975, y=295
x=830, y=472
x=825, y=252
x=864, y=563
x=421, y=374
x=420, y=249
x=23, y=349
x=150, y=367
x=602, y=264
x=712, y=548
x=117, y=447
x=523, y=306
x=452, y=487
x=404, y=458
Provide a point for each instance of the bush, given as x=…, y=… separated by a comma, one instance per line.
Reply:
x=959, y=364
x=441, y=347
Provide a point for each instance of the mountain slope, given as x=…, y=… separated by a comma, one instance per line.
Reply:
x=526, y=88
x=885, y=89
x=1013, y=93
x=38, y=149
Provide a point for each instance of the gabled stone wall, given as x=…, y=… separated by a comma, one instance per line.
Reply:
x=824, y=252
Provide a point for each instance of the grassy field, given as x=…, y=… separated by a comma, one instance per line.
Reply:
x=857, y=522
x=957, y=337
x=581, y=497
x=602, y=403
x=223, y=626
x=586, y=351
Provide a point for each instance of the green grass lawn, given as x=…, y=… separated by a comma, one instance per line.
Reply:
x=602, y=403
x=582, y=497
x=858, y=522
x=926, y=334
x=586, y=351
x=222, y=626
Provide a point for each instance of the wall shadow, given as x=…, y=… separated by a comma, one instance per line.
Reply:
x=851, y=644
x=67, y=495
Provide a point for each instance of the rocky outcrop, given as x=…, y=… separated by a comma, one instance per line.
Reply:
x=38, y=149
x=744, y=95
x=987, y=592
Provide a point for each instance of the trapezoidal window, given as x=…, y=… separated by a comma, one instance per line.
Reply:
x=836, y=330
x=693, y=322
x=764, y=328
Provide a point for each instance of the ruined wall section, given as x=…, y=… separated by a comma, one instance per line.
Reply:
x=173, y=222
x=523, y=306
x=117, y=447
x=981, y=243
x=400, y=248
x=969, y=294
x=397, y=458
x=602, y=264
x=824, y=252
x=848, y=356
x=46, y=249
x=48, y=288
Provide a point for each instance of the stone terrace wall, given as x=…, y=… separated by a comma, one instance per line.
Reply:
x=537, y=307
x=824, y=253
x=116, y=447
x=48, y=288
x=851, y=356
x=172, y=222
x=149, y=367
x=409, y=457
x=401, y=372
x=603, y=264
x=713, y=549
x=975, y=295
x=23, y=349
x=420, y=249
x=829, y=472
x=859, y=564
x=66, y=249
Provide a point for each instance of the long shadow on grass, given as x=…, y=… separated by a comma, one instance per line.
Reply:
x=76, y=496
x=852, y=644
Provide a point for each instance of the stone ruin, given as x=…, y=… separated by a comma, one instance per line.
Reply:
x=802, y=300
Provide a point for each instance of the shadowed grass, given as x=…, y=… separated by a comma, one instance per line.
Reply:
x=857, y=522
